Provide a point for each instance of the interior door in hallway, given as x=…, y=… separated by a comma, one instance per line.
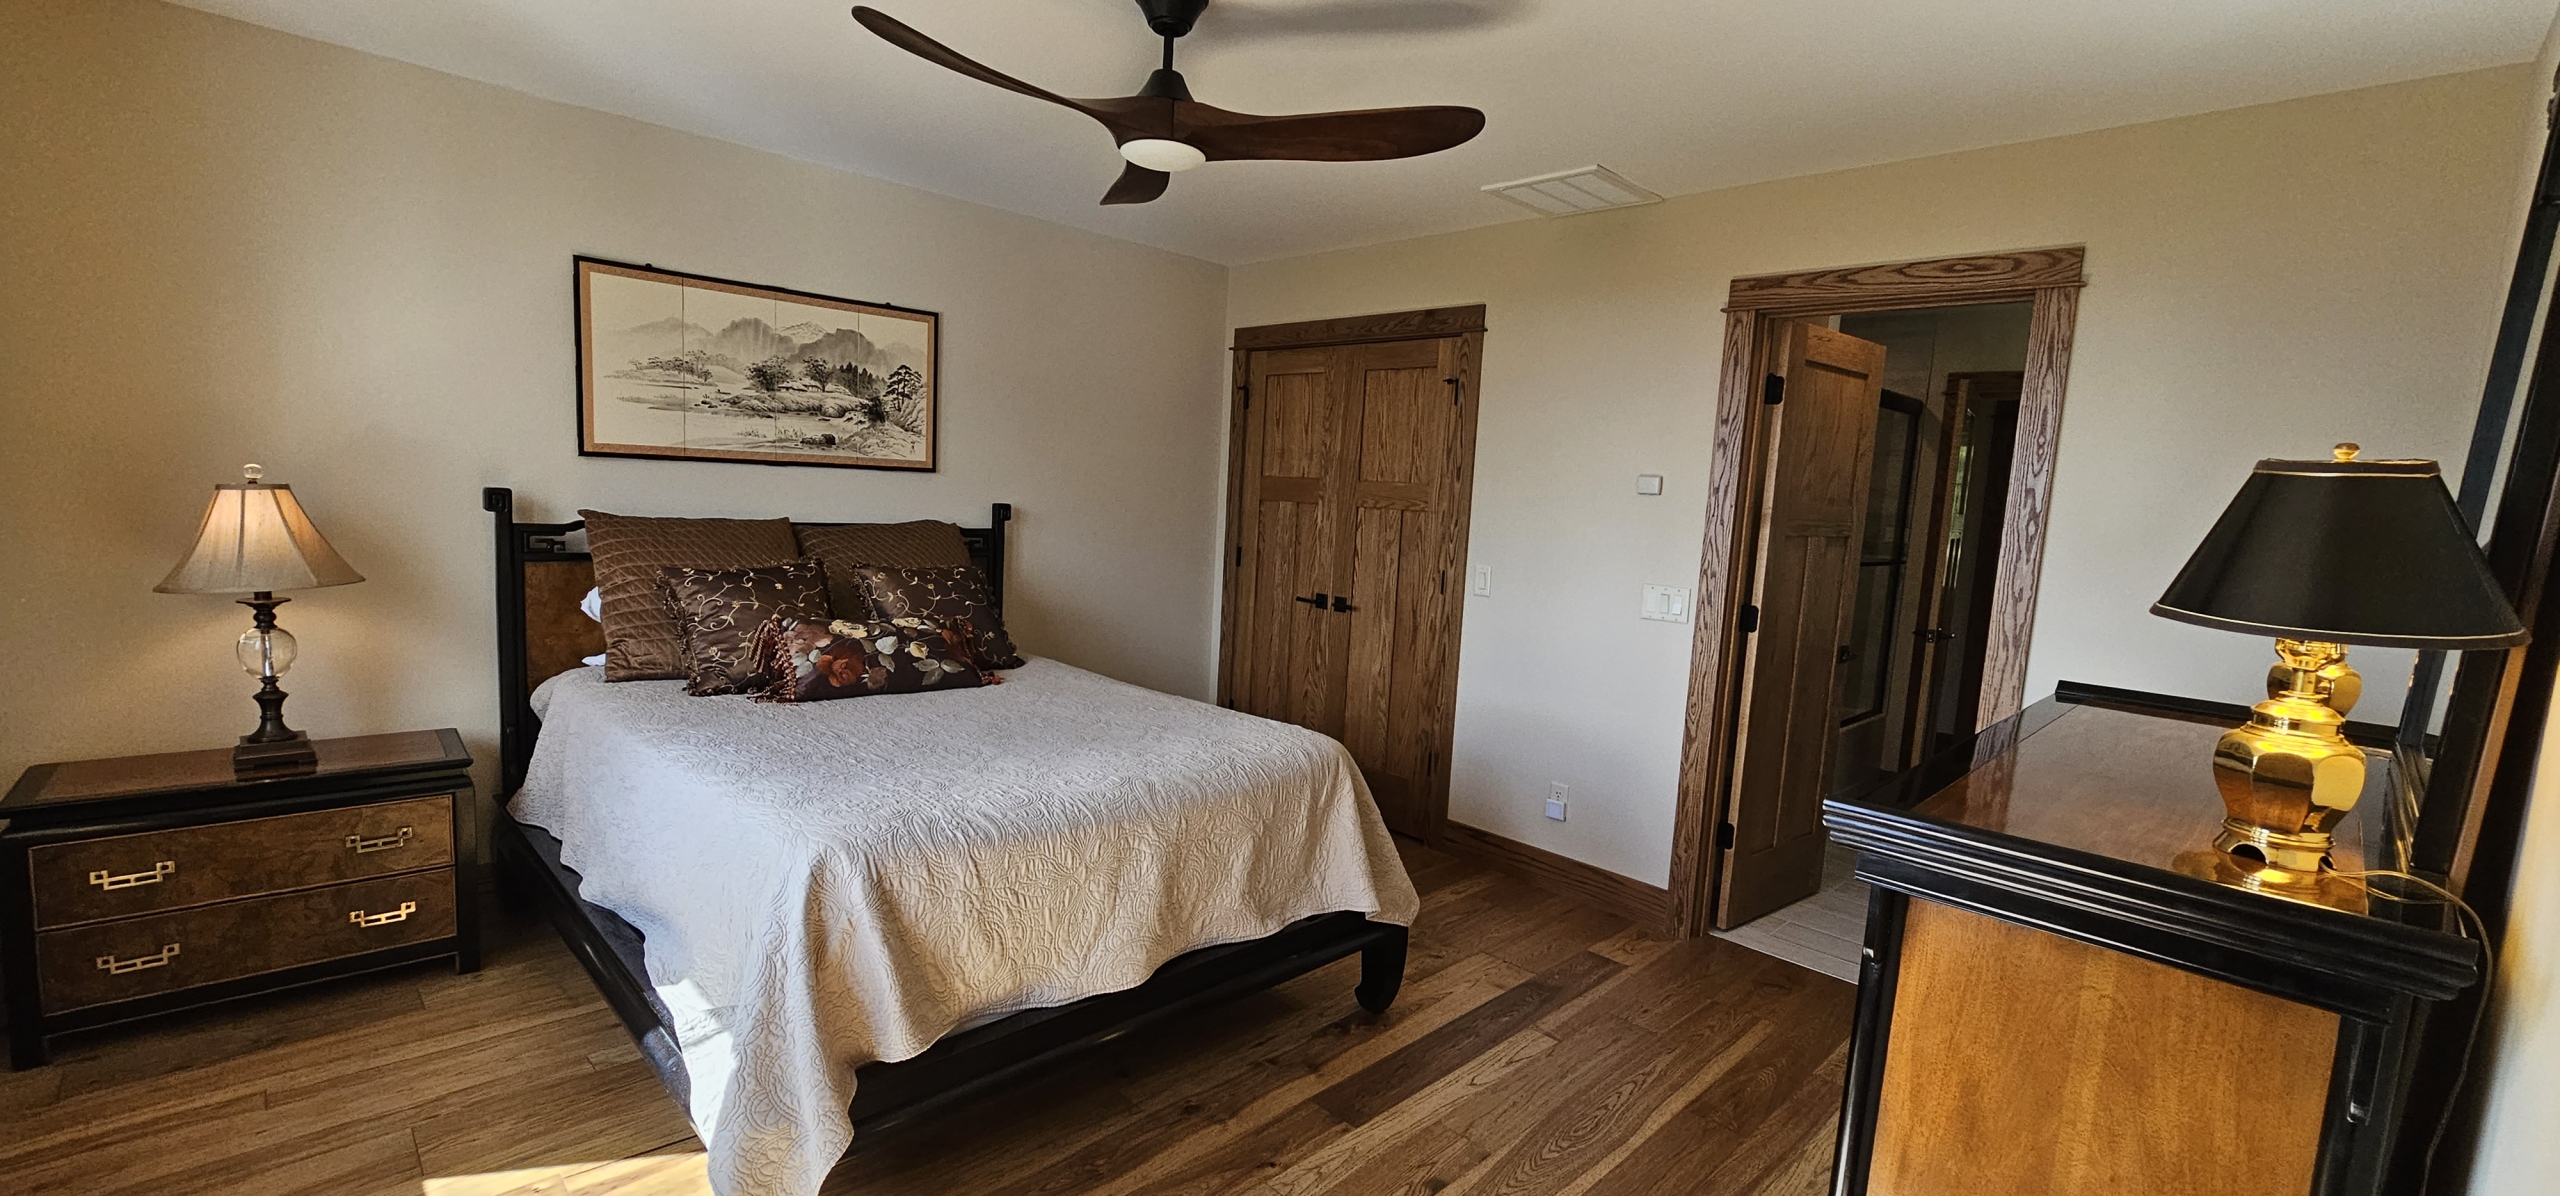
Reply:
x=1817, y=455
x=1348, y=548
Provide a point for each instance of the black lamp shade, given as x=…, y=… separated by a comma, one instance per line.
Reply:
x=2350, y=552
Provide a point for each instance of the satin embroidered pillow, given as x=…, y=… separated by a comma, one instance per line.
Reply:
x=954, y=597
x=721, y=610
x=811, y=661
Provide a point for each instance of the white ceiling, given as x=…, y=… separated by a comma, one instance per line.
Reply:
x=1678, y=95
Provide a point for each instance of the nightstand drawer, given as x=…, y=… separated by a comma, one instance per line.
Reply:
x=95, y=879
x=140, y=957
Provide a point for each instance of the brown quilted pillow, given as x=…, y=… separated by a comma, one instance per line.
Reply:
x=952, y=597
x=813, y=661
x=842, y=546
x=641, y=640
x=720, y=610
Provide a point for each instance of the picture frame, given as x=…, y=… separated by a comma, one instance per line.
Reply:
x=689, y=367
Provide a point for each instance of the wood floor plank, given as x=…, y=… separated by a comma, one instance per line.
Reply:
x=1384, y=1084
x=1539, y=1048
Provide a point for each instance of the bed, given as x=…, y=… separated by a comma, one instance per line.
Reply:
x=987, y=883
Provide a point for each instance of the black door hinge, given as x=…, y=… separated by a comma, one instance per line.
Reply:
x=1239, y=556
x=1749, y=621
x=1773, y=390
x=1444, y=581
x=1457, y=389
x=1724, y=837
x=1245, y=393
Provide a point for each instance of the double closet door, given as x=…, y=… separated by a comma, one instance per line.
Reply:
x=1347, y=532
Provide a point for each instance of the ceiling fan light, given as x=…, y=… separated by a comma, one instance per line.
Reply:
x=1156, y=153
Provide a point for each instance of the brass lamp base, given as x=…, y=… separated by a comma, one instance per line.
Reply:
x=2290, y=776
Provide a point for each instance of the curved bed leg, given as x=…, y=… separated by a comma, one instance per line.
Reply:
x=1381, y=971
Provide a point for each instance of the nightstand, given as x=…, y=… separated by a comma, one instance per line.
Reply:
x=146, y=884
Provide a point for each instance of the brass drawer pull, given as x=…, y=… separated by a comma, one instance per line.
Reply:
x=365, y=846
x=360, y=918
x=117, y=967
x=159, y=872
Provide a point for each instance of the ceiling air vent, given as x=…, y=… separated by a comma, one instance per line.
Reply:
x=1573, y=192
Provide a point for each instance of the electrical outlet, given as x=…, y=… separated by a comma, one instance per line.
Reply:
x=1555, y=800
x=1483, y=586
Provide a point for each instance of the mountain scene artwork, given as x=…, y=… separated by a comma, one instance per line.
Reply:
x=674, y=365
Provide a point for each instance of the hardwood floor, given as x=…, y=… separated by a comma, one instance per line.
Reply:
x=1539, y=1047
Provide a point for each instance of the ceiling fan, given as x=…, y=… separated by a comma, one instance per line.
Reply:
x=1162, y=130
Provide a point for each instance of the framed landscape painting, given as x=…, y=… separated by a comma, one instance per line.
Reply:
x=703, y=369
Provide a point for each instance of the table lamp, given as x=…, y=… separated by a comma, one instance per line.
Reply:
x=255, y=540
x=2321, y=555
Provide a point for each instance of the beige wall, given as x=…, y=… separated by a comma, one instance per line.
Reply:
x=2263, y=281
x=222, y=244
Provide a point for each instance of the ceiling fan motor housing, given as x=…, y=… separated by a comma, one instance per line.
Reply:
x=1172, y=18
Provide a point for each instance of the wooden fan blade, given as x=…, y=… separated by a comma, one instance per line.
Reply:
x=892, y=31
x=1367, y=135
x=1137, y=184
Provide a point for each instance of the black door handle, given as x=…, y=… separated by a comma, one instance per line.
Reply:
x=1341, y=603
x=1316, y=602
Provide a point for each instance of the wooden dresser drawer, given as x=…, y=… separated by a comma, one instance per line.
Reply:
x=118, y=877
x=140, y=957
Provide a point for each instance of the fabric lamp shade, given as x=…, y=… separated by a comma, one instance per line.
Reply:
x=256, y=539
x=2345, y=552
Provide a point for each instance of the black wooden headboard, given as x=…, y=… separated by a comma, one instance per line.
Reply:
x=535, y=559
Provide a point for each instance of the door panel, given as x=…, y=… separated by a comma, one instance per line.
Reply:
x=1294, y=449
x=1408, y=420
x=1355, y=467
x=1820, y=439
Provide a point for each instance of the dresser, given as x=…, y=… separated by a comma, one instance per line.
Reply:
x=145, y=884
x=2065, y=990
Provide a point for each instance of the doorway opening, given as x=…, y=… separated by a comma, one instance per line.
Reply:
x=1905, y=675
x=1885, y=441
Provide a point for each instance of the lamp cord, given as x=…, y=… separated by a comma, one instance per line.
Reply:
x=2472, y=928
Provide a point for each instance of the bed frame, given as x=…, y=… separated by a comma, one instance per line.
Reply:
x=540, y=634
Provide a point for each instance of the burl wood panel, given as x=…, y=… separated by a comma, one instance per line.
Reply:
x=558, y=636
x=159, y=871
x=94, y=965
x=2030, y=1064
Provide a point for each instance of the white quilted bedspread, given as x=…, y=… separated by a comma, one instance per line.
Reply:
x=829, y=884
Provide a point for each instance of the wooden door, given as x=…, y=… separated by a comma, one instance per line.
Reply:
x=1399, y=559
x=1301, y=450
x=1820, y=439
x=1944, y=552
x=1348, y=531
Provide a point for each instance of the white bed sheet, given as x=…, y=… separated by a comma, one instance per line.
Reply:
x=829, y=884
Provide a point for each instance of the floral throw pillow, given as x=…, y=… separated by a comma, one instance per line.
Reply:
x=720, y=611
x=813, y=661
x=955, y=596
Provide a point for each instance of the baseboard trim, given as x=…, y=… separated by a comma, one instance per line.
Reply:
x=1645, y=905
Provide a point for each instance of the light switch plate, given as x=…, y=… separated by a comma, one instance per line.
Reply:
x=1483, y=586
x=1665, y=604
x=1648, y=483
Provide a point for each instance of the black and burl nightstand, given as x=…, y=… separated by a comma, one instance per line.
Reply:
x=146, y=884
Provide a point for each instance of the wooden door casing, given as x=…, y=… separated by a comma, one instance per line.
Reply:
x=1381, y=531
x=1814, y=499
